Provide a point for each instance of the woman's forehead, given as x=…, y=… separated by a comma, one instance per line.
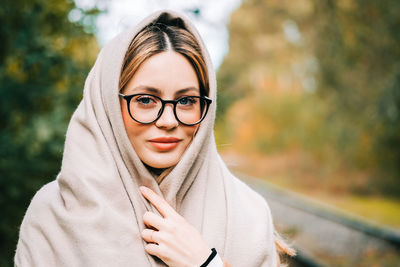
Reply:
x=166, y=73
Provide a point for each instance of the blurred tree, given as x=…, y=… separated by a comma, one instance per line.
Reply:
x=263, y=61
x=357, y=46
x=44, y=59
x=321, y=76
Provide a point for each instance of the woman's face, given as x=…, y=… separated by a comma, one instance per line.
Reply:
x=168, y=75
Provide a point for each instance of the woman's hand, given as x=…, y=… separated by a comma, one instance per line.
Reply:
x=170, y=237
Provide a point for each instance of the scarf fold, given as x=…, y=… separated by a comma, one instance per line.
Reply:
x=91, y=215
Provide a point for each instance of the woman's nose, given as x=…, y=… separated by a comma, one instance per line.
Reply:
x=167, y=119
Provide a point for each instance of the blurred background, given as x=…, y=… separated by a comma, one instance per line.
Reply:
x=308, y=109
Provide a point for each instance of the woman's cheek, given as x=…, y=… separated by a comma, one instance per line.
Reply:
x=191, y=131
x=137, y=133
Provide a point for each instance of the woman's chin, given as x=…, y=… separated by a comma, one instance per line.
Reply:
x=162, y=161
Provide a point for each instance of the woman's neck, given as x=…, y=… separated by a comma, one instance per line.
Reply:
x=156, y=171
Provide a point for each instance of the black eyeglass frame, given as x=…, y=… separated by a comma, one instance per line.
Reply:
x=163, y=103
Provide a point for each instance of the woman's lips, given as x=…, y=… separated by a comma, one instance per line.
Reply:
x=164, y=143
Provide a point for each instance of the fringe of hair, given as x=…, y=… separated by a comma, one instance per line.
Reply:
x=282, y=249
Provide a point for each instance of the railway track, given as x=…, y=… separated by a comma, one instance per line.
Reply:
x=326, y=236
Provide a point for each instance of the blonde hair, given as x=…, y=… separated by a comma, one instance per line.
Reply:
x=282, y=247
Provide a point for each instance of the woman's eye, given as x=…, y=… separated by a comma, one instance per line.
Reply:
x=187, y=101
x=145, y=100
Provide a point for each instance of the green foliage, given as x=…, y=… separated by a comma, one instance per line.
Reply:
x=320, y=76
x=387, y=142
x=44, y=59
x=358, y=52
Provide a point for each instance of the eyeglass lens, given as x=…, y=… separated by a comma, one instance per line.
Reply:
x=146, y=108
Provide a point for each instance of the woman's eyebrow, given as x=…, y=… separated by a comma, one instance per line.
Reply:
x=186, y=90
x=147, y=88
x=158, y=91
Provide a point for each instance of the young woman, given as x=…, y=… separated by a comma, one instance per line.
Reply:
x=141, y=182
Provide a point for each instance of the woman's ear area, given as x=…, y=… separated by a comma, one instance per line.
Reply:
x=197, y=129
x=124, y=111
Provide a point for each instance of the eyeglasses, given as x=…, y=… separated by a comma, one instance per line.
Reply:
x=147, y=108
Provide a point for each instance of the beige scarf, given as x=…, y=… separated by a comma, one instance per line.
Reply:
x=91, y=215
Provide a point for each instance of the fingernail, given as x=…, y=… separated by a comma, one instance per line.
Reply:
x=143, y=189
